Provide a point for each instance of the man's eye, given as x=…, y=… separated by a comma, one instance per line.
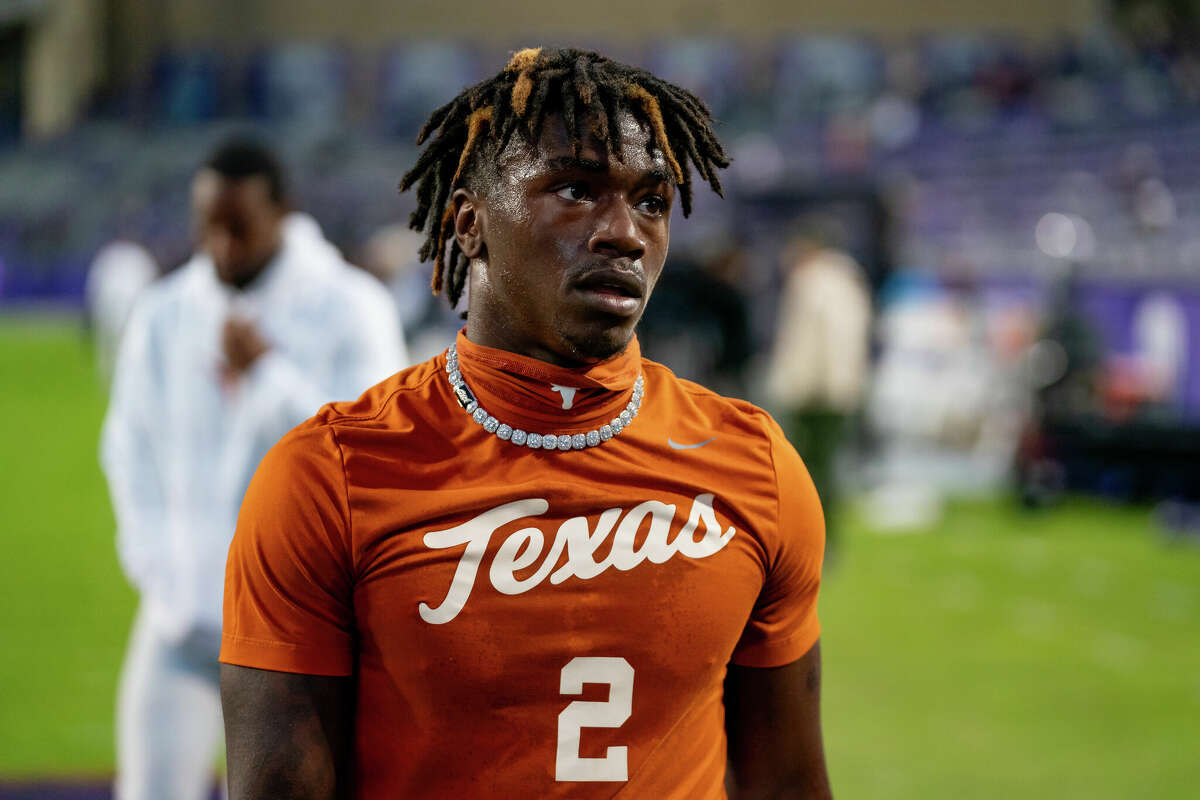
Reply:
x=654, y=204
x=573, y=191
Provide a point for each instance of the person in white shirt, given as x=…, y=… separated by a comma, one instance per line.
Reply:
x=261, y=327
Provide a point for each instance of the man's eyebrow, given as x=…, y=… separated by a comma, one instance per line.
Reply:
x=656, y=176
x=568, y=163
x=565, y=163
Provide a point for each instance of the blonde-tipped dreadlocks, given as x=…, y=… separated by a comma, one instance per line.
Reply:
x=582, y=87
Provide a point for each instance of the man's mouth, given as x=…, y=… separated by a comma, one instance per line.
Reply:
x=612, y=281
x=612, y=291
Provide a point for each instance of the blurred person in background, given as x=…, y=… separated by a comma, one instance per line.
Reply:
x=1074, y=387
x=819, y=362
x=1066, y=380
x=701, y=323
x=259, y=329
x=115, y=279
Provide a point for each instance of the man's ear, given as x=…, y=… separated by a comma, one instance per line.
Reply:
x=470, y=215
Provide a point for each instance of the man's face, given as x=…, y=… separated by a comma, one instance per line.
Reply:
x=237, y=224
x=571, y=246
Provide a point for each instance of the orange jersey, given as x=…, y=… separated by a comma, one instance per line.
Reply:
x=520, y=622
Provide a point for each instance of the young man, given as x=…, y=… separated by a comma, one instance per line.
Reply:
x=538, y=565
x=219, y=359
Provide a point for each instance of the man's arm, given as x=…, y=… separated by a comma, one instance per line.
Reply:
x=773, y=720
x=287, y=736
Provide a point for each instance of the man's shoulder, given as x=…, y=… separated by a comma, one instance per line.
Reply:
x=340, y=294
x=695, y=425
x=728, y=415
x=330, y=279
x=176, y=284
x=386, y=408
x=386, y=403
x=163, y=298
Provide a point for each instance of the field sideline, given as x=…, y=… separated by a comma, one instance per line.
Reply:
x=998, y=655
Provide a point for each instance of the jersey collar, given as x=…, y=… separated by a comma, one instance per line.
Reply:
x=526, y=392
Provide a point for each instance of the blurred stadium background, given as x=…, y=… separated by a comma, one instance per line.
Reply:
x=1013, y=604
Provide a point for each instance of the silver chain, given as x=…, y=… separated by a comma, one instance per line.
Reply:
x=538, y=441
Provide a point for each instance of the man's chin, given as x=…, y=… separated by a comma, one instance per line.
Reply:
x=592, y=344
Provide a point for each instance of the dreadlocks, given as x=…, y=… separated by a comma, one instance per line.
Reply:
x=583, y=87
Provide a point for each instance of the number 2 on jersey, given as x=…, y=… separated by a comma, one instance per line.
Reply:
x=611, y=713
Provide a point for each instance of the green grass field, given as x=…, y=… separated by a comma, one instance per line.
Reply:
x=998, y=655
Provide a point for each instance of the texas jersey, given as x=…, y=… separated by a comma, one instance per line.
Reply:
x=529, y=622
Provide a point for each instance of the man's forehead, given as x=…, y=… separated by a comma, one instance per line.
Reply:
x=210, y=188
x=553, y=149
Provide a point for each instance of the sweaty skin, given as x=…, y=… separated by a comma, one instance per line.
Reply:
x=552, y=230
x=565, y=252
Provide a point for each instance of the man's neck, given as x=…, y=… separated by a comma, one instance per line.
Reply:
x=501, y=337
x=254, y=278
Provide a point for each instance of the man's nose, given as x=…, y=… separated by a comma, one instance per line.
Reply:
x=617, y=234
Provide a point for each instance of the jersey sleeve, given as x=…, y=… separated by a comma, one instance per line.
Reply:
x=289, y=576
x=784, y=625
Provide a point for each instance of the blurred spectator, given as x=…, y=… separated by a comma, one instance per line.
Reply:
x=819, y=363
x=1065, y=372
x=946, y=406
x=261, y=327
x=1160, y=337
x=115, y=279
x=1070, y=388
x=699, y=320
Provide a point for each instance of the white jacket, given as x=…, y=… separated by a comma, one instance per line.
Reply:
x=179, y=445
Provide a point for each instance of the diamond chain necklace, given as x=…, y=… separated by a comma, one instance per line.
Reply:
x=538, y=441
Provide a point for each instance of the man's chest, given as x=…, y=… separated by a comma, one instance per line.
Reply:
x=509, y=585
x=194, y=368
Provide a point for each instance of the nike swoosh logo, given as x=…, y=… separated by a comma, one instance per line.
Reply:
x=679, y=446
